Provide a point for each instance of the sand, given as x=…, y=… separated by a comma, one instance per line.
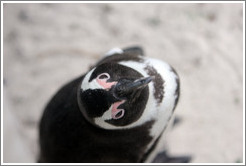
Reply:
x=47, y=45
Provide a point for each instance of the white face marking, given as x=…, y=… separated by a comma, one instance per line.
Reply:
x=135, y=66
x=100, y=82
x=85, y=83
x=114, y=51
x=110, y=114
x=100, y=121
x=106, y=115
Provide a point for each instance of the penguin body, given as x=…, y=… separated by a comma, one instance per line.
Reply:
x=116, y=112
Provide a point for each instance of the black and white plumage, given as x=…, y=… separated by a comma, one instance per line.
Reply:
x=116, y=112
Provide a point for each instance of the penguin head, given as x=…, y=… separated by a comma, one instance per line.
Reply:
x=112, y=96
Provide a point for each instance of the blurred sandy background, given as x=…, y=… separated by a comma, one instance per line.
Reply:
x=47, y=45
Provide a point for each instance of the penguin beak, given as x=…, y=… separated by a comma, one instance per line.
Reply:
x=124, y=87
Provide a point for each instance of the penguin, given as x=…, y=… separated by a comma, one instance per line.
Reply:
x=117, y=112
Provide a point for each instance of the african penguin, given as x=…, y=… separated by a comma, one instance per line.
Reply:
x=116, y=112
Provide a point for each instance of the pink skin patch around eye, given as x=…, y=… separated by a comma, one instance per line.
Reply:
x=103, y=82
x=117, y=113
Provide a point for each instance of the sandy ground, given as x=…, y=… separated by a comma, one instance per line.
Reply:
x=46, y=45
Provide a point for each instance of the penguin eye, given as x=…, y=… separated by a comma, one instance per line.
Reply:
x=119, y=114
x=103, y=76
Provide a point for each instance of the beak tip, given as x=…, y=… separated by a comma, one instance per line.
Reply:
x=146, y=80
x=151, y=78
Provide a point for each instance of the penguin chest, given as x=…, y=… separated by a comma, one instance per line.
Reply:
x=163, y=94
